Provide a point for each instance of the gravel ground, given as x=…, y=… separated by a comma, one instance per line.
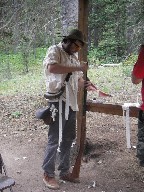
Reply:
x=108, y=166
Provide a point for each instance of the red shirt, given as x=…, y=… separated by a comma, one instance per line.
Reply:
x=138, y=72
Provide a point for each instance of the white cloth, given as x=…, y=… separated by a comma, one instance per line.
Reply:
x=60, y=121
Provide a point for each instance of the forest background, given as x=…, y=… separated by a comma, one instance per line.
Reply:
x=29, y=27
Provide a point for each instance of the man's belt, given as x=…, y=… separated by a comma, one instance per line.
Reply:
x=51, y=96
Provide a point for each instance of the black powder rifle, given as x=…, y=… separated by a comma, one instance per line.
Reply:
x=76, y=168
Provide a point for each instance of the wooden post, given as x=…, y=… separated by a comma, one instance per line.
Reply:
x=82, y=26
x=81, y=116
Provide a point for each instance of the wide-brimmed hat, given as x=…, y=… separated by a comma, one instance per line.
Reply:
x=76, y=35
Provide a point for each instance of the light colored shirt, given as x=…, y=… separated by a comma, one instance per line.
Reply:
x=54, y=82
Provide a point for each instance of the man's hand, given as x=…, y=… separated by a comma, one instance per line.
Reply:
x=86, y=84
x=84, y=67
x=89, y=86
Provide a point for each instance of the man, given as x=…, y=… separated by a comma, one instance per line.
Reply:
x=138, y=77
x=61, y=60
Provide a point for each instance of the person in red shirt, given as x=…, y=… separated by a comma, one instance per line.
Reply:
x=138, y=77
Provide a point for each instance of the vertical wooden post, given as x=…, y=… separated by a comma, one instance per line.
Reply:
x=81, y=116
x=82, y=26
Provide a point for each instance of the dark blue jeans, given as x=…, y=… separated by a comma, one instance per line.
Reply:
x=68, y=135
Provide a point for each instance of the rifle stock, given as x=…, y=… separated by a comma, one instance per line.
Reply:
x=76, y=168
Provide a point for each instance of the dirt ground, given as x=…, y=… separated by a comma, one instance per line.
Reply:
x=111, y=167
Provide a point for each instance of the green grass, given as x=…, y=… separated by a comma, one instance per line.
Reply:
x=109, y=78
x=30, y=83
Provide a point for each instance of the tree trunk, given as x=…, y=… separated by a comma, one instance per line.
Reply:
x=69, y=12
x=16, y=26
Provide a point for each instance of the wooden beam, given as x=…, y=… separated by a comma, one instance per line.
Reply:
x=113, y=109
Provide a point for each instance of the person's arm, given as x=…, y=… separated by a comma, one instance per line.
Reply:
x=60, y=69
x=138, y=69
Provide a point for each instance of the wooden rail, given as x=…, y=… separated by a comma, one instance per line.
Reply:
x=113, y=109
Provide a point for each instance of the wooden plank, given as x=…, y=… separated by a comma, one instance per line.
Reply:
x=113, y=109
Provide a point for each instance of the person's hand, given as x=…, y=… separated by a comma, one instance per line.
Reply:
x=89, y=86
x=84, y=66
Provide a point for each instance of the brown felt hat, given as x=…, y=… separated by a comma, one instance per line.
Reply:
x=76, y=35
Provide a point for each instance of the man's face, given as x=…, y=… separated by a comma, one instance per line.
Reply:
x=73, y=47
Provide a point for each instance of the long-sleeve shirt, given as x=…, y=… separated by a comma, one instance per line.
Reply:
x=54, y=82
